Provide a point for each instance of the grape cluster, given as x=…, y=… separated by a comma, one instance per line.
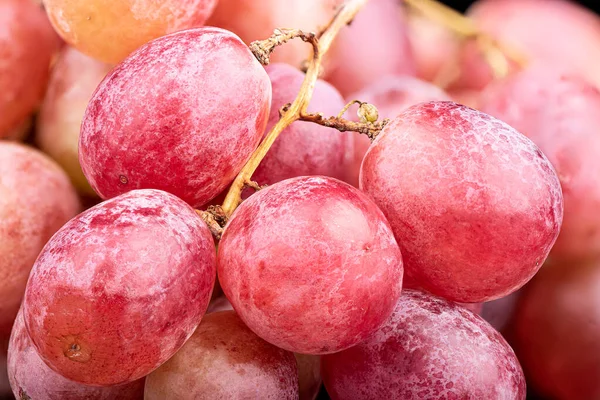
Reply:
x=179, y=221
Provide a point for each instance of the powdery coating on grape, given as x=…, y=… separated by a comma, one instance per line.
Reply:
x=27, y=43
x=74, y=79
x=110, y=32
x=310, y=264
x=429, y=349
x=36, y=199
x=559, y=112
x=225, y=360
x=391, y=94
x=181, y=114
x=304, y=148
x=119, y=289
x=475, y=205
x=31, y=378
x=374, y=45
x=557, y=325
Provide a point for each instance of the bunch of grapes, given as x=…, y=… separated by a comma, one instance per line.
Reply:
x=235, y=199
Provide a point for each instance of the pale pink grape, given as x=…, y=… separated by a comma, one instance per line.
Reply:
x=474, y=204
x=310, y=264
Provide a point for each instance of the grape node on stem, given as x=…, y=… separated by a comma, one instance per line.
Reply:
x=295, y=111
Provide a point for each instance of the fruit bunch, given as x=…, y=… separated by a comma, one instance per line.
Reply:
x=235, y=199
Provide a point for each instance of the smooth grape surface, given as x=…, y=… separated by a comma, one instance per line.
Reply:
x=36, y=199
x=391, y=95
x=110, y=31
x=304, y=148
x=27, y=43
x=31, y=378
x=257, y=19
x=429, y=349
x=225, y=360
x=74, y=79
x=181, y=114
x=559, y=112
x=474, y=204
x=374, y=45
x=557, y=327
x=120, y=288
x=310, y=264
x=543, y=31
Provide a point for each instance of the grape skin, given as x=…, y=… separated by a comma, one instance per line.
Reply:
x=36, y=199
x=29, y=376
x=114, y=297
x=182, y=114
x=74, y=79
x=559, y=112
x=225, y=360
x=310, y=264
x=475, y=205
x=304, y=148
x=111, y=32
x=428, y=349
x=28, y=42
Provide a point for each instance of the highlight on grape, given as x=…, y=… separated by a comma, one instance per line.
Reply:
x=303, y=199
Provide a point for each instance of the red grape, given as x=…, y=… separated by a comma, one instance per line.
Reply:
x=36, y=199
x=475, y=205
x=106, y=303
x=27, y=43
x=74, y=78
x=392, y=95
x=304, y=148
x=378, y=32
x=310, y=264
x=557, y=326
x=181, y=114
x=559, y=112
x=30, y=378
x=429, y=349
x=110, y=32
x=225, y=360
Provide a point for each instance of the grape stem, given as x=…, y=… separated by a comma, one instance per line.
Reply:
x=297, y=109
x=496, y=54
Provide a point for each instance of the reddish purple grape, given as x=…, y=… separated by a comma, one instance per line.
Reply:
x=429, y=349
x=225, y=360
x=304, y=148
x=559, y=112
x=31, y=378
x=120, y=288
x=182, y=114
x=475, y=205
x=310, y=264
x=309, y=375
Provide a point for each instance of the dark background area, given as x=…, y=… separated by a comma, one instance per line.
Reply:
x=463, y=5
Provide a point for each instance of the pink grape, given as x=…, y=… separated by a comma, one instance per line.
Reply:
x=257, y=19
x=182, y=114
x=74, y=78
x=379, y=32
x=558, y=112
x=225, y=360
x=110, y=33
x=431, y=349
x=28, y=43
x=475, y=205
x=542, y=31
x=310, y=264
x=36, y=199
x=391, y=95
x=106, y=303
x=304, y=148
x=556, y=331
x=31, y=378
